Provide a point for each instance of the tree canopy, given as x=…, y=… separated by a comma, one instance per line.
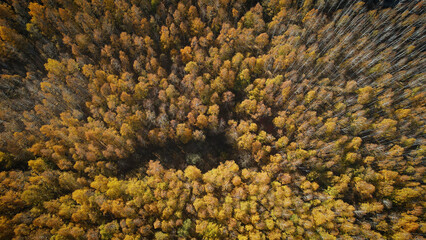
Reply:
x=231, y=119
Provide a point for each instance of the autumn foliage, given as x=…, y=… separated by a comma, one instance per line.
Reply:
x=125, y=119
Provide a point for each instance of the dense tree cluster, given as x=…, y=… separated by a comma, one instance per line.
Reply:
x=231, y=119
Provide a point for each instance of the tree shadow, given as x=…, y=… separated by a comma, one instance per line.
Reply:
x=205, y=155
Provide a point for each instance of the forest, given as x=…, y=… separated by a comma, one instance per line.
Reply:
x=212, y=119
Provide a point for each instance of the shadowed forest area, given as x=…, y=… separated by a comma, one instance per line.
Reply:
x=201, y=119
